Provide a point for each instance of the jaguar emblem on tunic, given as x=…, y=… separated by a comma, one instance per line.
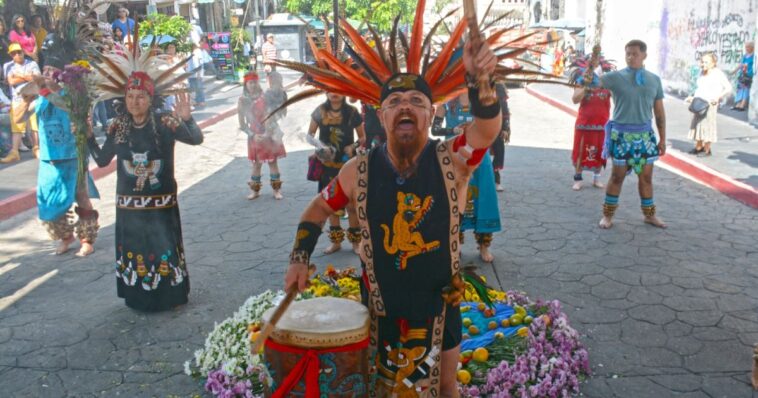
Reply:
x=406, y=241
x=144, y=170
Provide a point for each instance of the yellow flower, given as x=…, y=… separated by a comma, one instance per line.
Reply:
x=83, y=64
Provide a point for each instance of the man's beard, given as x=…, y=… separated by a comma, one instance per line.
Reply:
x=404, y=149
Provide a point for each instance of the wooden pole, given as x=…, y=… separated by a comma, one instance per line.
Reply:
x=335, y=21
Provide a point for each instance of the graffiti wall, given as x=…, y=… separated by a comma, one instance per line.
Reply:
x=688, y=29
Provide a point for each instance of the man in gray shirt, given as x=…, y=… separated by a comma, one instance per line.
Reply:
x=629, y=137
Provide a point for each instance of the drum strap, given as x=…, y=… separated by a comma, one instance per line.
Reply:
x=376, y=304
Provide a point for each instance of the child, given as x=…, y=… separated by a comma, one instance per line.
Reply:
x=264, y=143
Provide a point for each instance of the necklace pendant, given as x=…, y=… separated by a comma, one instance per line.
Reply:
x=400, y=180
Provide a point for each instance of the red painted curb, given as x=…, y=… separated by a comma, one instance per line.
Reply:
x=703, y=174
x=23, y=201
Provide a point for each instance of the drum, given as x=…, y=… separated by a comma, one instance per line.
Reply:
x=319, y=348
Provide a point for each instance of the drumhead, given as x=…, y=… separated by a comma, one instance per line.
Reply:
x=321, y=322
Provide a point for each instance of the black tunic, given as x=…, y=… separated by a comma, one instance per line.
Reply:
x=151, y=274
x=337, y=133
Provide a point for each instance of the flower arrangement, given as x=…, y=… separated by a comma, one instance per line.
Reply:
x=524, y=348
x=77, y=101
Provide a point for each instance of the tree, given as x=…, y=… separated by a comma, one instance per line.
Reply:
x=379, y=13
x=163, y=25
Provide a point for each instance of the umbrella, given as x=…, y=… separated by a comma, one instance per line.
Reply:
x=162, y=39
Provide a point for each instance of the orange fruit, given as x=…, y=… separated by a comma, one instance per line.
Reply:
x=464, y=377
x=480, y=354
x=492, y=325
x=481, y=306
x=473, y=330
x=499, y=335
x=546, y=318
x=466, y=322
x=505, y=323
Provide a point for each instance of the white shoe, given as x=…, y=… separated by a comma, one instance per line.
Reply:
x=23, y=148
x=499, y=188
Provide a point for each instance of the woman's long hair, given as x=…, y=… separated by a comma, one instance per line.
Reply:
x=26, y=25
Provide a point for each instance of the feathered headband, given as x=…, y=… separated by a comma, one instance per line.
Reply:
x=366, y=70
x=122, y=69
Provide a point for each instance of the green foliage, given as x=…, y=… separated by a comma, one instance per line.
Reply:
x=163, y=25
x=238, y=39
x=379, y=13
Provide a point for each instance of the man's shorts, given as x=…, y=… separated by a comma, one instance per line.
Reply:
x=20, y=128
x=633, y=149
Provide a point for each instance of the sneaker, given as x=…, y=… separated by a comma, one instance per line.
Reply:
x=499, y=188
x=13, y=156
x=23, y=148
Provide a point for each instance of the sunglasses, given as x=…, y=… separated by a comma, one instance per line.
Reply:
x=13, y=54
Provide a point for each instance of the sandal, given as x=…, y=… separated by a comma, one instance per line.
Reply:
x=695, y=151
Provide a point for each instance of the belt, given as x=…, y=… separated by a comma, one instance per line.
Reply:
x=154, y=202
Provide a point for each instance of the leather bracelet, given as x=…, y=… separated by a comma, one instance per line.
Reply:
x=477, y=109
x=305, y=242
x=300, y=257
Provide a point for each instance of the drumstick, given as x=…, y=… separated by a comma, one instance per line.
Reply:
x=486, y=94
x=278, y=312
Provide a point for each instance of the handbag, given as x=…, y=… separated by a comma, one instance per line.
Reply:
x=315, y=168
x=699, y=106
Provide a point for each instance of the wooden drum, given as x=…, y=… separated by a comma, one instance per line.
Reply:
x=319, y=348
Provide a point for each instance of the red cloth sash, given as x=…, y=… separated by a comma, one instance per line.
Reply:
x=307, y=366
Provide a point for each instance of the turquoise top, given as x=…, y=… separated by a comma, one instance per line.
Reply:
x=455, y=115
x=56, y=142
x=633, y=95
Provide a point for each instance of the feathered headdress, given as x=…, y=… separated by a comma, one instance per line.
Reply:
x=579, y=67
x=77, y=34
x=364, y=69
x=121, y=69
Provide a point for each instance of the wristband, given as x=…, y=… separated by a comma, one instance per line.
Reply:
x=476, y=154
x=477, y=108
x=305, y=242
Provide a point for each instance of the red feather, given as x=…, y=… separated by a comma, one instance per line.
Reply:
x=417, y=37
x=440, y=63
x=368, y=55
x=349, y=73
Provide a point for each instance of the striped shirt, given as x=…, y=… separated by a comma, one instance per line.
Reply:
x=269, y=51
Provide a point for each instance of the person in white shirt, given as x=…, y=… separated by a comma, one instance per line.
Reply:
x=712, y=86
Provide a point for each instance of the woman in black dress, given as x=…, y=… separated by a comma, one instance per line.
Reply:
x=151, y=273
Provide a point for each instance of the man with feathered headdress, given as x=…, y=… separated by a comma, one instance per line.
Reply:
x=408, y=194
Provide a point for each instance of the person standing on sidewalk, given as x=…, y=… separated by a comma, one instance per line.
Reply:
x=58, y=182
x=262, y=145
x=151, y=272
x=482, y=212
x=629, y=137
x=711, y=86
x=744, y=73
x=268, y=51
x=594, y=111
x=196, y=66
x=19, y=73
x=336, y=123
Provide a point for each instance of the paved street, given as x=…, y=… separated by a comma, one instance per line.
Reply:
x=664, y=313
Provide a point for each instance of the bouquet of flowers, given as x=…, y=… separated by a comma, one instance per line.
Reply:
x=77, y=101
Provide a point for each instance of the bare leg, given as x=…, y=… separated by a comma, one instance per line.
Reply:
x=645, y=186
x=615, y=182
x=83, y=201
x=577, y=182
x=707, y=147
x=334, y=221
x=34, y=135
x=13, y=155
x=448, y=369
x=596, y=181
x=483, y=241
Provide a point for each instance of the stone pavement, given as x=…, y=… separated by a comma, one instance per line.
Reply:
x=664, y=313
x=735, y=154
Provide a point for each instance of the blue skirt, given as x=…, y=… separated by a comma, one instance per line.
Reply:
x=56, y=188
x=482, y=213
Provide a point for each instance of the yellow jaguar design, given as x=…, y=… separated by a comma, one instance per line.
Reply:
x=406, y=241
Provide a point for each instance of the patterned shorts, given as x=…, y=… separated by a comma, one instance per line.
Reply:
x=633, y=149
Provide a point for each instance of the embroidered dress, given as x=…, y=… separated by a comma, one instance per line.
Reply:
x=482, y=212
x=409, y=221
x=589, y=128
x=58, y=171
x=151, y=273
x=338, y=132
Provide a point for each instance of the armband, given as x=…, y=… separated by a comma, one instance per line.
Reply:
x=305, y=242
x=334, y=195
x=476, y=154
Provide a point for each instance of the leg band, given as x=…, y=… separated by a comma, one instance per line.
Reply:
x=255, y=183
x=87, y=227
x=578, y=177
x=610, y=205
x=484, y=239
x=276, y=182
x=354, y=234
x=648, y=207
x=336, y=234
x=61, y=228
